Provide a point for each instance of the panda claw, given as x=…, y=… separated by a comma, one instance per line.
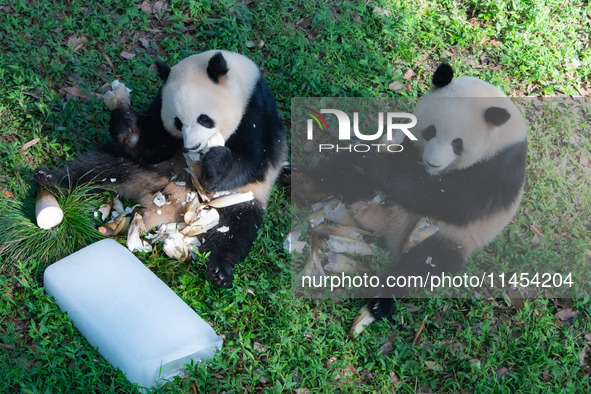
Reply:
x=44, y=178
x=220, y=276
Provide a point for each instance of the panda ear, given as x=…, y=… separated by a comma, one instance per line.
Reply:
x=443, y=75
x=217, y=67
x=496, y=115
x=163, y=69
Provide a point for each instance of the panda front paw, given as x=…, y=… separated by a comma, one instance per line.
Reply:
x=220, y=275
x=381, y=308
x=123, y=128
x=216, y=164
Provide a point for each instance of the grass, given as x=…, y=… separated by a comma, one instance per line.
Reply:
x=309, y=49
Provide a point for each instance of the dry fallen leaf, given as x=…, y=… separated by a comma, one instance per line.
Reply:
x=394, y=378
x=420, y=330
x=566, y=315
x=395, y=85
x=501, y=372
x=583, y=356
x=330, y=361
x=30, y=143
x=347, y=372
x=259, y=347
x=159, y=6
x=537, y=230
x=432, y=365
x=409, y=74
x=75, y=92
x=127, y=55
x=109, y=62
x=76, y=43
x=386, y=348
x=146, y=7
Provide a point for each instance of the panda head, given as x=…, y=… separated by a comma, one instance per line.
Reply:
x=463, y=121
x=206, y=94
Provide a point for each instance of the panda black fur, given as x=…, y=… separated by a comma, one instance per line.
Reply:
x=207, y=93
x=466, y=171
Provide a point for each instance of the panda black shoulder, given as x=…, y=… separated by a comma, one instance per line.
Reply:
x=260, y=131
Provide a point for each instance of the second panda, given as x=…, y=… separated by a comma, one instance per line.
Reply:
x=214, y=92
x=465, y=172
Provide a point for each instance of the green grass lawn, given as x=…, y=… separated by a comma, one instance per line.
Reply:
x=54, y=58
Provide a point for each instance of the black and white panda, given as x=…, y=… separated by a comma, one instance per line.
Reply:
x=212, y=92
x=466, y=171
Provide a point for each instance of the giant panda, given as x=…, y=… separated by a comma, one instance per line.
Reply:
x=212, y=92
x=465, y=171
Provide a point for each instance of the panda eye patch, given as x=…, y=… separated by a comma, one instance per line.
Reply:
x=458, y=146
x=429, y=133
x=205, y=121
x=178, y=124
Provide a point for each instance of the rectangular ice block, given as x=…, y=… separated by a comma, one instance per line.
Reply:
x=137, y=322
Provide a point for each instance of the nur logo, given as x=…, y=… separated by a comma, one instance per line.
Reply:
x=392, y=120
x=345, y=124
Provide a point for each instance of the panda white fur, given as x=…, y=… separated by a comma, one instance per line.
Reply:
x=466, y=171
x=211, y=92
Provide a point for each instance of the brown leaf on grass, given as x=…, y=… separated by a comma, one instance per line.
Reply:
x=537, y=230
x=304, y=23
x=566, y=315
x=108, y=59
x=409, y=74
x=127, y=55
x=394, y=379
x=455, y=347
x=30, y=144
x=395, y=85
x=588, y=338
x=386, y=348
x=30, y=94
x=585, y=89
x=330, y=361
x=380, y=11
x=432, y=365
x=420, y=330
x=516, y=298
x=495, y=43
x=145, y=43
x=159, y=6
x=76, y=43
x=259, y=347
x=146, y=7
x=347, y=373
x=583, y=356
x=302, y=391
x=75, y=92
x=501, y=372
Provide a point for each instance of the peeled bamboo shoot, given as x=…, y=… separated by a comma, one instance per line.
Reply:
x=47, y=210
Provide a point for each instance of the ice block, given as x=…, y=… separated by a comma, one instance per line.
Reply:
x=134, y=320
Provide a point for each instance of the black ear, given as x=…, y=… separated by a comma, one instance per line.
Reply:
x=443, y=75
x=496, y=115
x=217, y=67
x=163, y=69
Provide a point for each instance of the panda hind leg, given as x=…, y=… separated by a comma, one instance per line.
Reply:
x=231, y=245
x=434, y=256
x=99, y=167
